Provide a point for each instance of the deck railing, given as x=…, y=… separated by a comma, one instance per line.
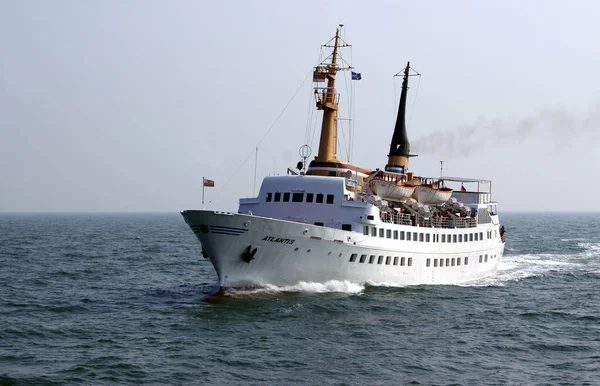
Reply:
x=430, y=222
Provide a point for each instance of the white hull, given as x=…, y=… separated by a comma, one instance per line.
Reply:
x=290, y=252
x=391, y=191
x=430, y=196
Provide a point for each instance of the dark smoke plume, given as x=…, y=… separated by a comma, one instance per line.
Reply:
x=561, y=126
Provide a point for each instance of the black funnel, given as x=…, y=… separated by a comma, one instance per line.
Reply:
x=400, y=145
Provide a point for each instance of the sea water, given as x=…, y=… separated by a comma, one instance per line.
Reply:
x=126, y=299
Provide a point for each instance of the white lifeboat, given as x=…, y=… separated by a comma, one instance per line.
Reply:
x=430, y=194
x=389, y=190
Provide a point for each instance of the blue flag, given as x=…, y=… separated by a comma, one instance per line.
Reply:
x=356, y=76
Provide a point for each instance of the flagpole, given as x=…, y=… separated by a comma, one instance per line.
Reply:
x=203, y=193
x=255, y=164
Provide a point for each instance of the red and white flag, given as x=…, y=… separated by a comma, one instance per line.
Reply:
x=209, y=183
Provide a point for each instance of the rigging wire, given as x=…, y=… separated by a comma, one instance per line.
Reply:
x=414, y=102
x=263, y=137
x=341, y=121
x=349, y=93
x=352, y=111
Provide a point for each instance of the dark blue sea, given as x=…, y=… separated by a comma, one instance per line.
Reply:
x=126, y=299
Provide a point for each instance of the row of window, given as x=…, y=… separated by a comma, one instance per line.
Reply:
x=299, y=197
x=424, y=237
x=388, y=259
x=442, y=262
x=449, y=262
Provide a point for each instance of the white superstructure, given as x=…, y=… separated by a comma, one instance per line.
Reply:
x=327, y=224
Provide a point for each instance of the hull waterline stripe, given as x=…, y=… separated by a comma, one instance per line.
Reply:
x=231, y=229
x=227, y=233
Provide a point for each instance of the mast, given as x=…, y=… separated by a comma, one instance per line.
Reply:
x=400, y=147
x=327, y=100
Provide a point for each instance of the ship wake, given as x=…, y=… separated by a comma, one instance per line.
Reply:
x=514, y=268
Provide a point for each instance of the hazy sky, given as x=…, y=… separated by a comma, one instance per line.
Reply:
x=125, y=105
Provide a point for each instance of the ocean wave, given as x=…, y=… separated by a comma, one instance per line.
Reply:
x=331, y=286
x=590, y=249
x=518, y=267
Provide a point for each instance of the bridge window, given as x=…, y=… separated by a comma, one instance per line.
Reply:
x=309, y=197
x=277, y=197
x=330, y=198
x=297, y=197
x=286, y=197
x=319, y=198
x=269, y=197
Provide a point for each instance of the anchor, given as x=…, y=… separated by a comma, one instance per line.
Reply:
x=248, y=254
x=204, y=253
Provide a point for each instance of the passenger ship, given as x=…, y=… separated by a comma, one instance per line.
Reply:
x=341, y=221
